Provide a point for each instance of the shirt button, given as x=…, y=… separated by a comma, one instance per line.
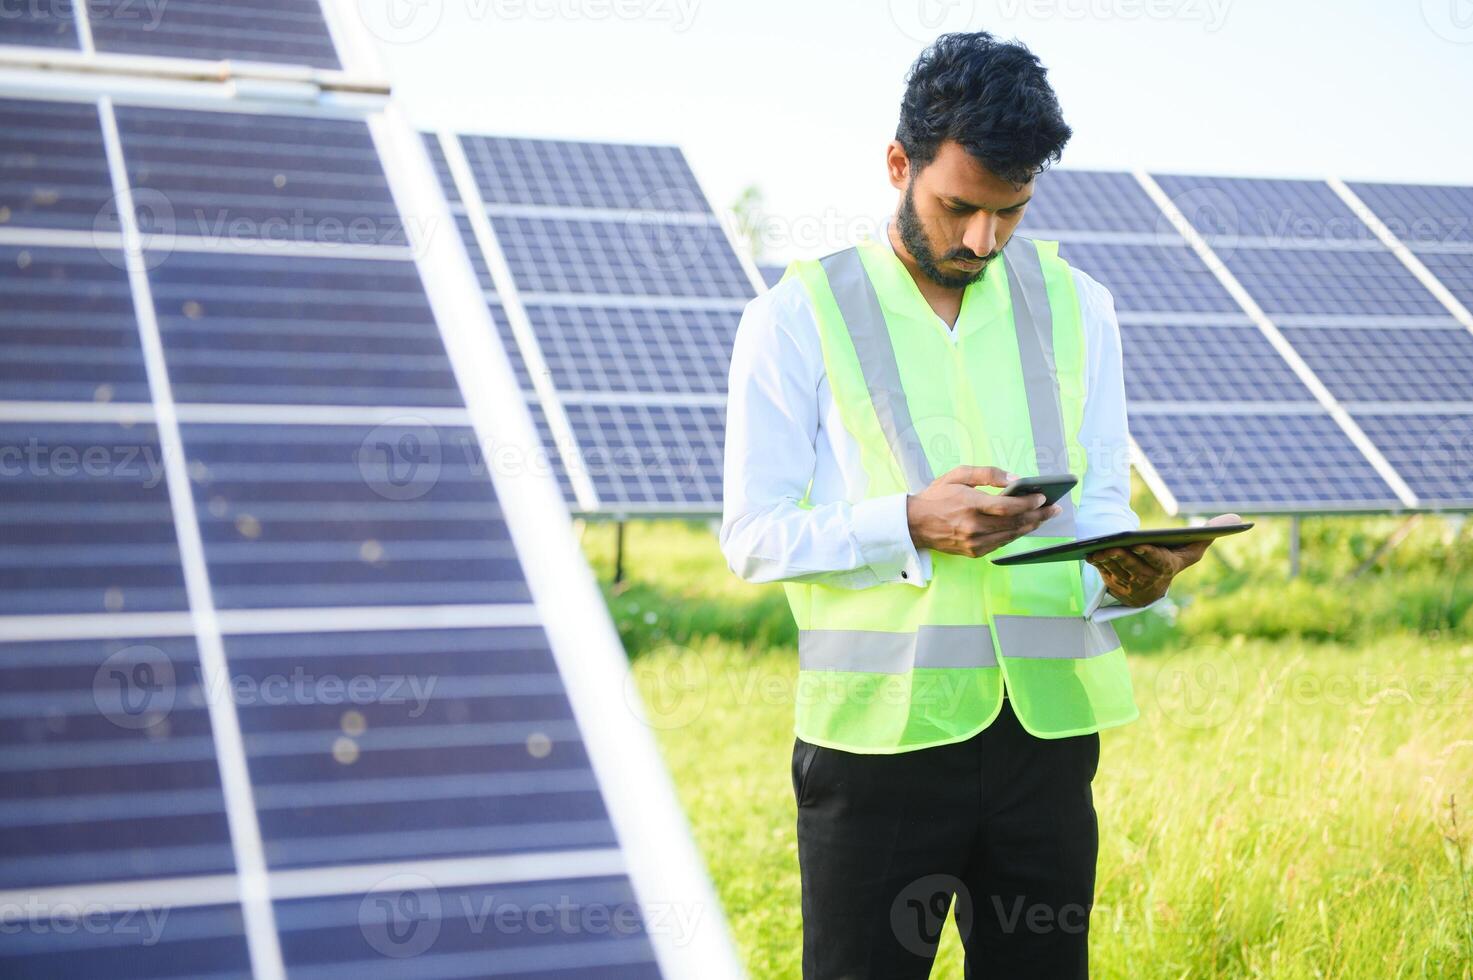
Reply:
x=905, y=574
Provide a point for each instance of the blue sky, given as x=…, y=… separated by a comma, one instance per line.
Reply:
x=800, y=97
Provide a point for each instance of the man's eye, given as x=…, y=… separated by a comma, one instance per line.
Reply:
x=957, y=208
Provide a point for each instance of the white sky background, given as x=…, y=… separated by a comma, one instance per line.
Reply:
x=800, y=96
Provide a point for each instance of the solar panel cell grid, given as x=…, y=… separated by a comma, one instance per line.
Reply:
x=1367, y=364
x=651, y=454
x=1422, y=214
x=42, y=25
x=254, y=329
x=558, y=173
x=1326, y=281
x=53, y=173
x=1259, y=461
x=109, y=765
x=199, y=943
x=591, y=348
x=244, y=177
x=1453, y=270
x=85, y=522
x=1280, y=210
x=276, y=31
x=1151, y=278
x=621, y=258
x=439, y=743
x=1095, y=201
x=1198, y=363
x=397, y=514
x=1433, y=453
x=67, y=331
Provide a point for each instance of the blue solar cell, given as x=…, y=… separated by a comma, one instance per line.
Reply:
x=155, y=941
x=513, y=351
x=306, y=515
x=85, y=524
x=772, y=273
x=1151, y=278
x=442, y=168
x=651, y=455
x=596, y=348
x=109, y=764
x=1433, y=453
x=1330, y=282
x=53, y=169
x=246, y=177
x=1455, y=271
x=550, y=455
x=1091, y=200
x=1421, y=213
x=634, y=257
x=1205, y=363
x=276, y=31
x=370, y=767
x=1390, y=363
x=1292, y=462
x=477, y=257
x=263, y=329
x=558, y=173
x=42, y=25
x=551, y=930
x=67, y=330
x=1280, y=210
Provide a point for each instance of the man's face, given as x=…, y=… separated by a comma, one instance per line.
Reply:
x=956, y=215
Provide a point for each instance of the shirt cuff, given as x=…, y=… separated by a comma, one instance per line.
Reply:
x=1104, y=607
x=882, y=531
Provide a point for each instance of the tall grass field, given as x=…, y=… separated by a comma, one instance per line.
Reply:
x=1296, y=800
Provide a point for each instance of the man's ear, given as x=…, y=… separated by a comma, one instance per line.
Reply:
x=897, y=164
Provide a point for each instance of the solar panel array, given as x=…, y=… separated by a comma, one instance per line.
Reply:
x=281, y=690
x=617, y=293
x=282, y=32
x=1279, y=355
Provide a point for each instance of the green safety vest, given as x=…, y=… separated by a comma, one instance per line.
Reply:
x=897, y=667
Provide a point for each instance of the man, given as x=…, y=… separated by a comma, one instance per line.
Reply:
x=947, y=708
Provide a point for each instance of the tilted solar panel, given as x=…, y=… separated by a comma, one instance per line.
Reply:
x=276, y=31
x=628, y=293
x=278, y=670
x=1421, y=214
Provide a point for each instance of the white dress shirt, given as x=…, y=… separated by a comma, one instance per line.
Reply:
x=783, y=430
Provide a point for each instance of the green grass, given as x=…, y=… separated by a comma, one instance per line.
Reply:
x=1281, y=809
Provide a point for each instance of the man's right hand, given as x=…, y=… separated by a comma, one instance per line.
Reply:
x=951, y=515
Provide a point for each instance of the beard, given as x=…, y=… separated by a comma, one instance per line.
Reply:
x=913, y=235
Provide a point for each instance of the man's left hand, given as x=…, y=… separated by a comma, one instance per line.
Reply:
x=1140, y=574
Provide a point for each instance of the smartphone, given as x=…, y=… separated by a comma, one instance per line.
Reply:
x=1052, y=486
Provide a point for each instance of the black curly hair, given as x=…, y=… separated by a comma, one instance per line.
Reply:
x=990, y=96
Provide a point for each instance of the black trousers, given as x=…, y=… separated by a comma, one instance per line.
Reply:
x=1003, y=821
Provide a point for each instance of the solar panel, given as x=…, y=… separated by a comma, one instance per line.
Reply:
x=54, y=175
x=1404, y=363
x=772, y=273
x=1091, y=201
x=43, y=25
x=1432, y=451
x=1279, y=211
x=1194, y=363
x=275, y=31
x=1160, y=278
x=1421, y=214
x=1330, y=281
x=1299, y=462
x=276, y=654
x=629, y=293
x=1454, y=270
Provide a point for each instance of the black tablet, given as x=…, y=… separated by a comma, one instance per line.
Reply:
x=1076, y=550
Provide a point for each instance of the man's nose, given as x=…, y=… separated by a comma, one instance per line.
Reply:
x=981, y=234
